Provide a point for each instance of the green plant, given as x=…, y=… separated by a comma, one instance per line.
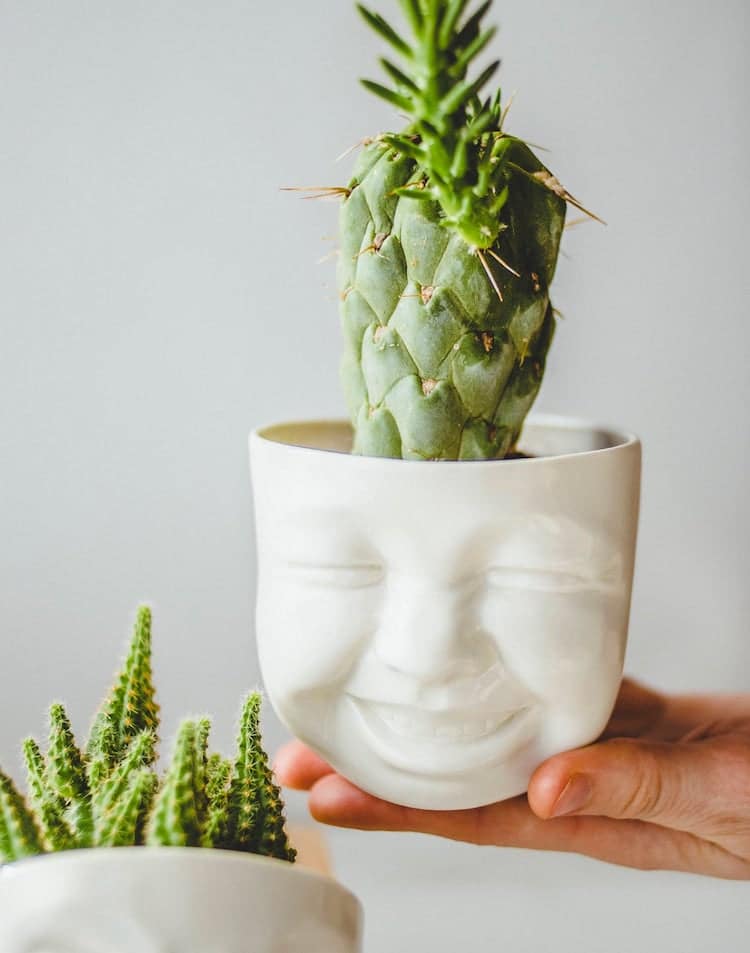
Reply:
x=450, y=232
x=109, y=794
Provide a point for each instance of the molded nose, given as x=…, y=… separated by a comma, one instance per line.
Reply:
x=430, y=631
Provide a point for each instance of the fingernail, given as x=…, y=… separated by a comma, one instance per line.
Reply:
x=573, y=797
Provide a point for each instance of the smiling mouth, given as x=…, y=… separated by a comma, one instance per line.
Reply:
x=441, y=727
x=441, y=742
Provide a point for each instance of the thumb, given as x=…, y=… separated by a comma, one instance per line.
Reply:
x=686, y=786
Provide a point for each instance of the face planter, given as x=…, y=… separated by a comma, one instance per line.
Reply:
x=437, y=629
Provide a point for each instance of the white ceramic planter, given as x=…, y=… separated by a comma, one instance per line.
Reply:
x=437, y=629
x=172, y=900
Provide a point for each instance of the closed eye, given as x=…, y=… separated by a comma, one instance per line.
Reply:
x=539, y=580
x=343, y=575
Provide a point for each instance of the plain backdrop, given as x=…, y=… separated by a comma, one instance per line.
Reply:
x=160, y=296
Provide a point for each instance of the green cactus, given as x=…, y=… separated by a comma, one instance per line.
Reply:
x=176, y=820
x=123, y=826
x=130, y=706
x=218, y=774
x=66, y=776
x=20, y=835
x=243, y=813
x=107, y=796
x=255, y=812
x=111, y=796
x=450, y=233
x=49, y=806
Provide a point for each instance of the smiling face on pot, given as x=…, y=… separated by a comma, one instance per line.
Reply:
x=435, y=631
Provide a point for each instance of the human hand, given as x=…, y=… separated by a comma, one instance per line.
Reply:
x=667, y=786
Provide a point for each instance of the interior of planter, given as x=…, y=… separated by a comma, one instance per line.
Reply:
x=543, y=436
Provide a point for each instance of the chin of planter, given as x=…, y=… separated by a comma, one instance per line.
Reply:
x=154, y=899
x=436, y=629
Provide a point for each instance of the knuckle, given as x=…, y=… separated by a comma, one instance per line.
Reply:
x=735, y=769
x=648, y=796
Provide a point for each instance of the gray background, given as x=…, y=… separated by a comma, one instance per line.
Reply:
x=159, y=296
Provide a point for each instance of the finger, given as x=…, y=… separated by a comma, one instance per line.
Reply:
x=689, y=787
x=333, y=800
x=638, y=710
x=641, y=712
x=296, y=766
x=511, y=823
x=695, y=717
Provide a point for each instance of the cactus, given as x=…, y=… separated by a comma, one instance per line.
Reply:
x=218, y=774
x=66, y=778
x=176, y=818
x=110, y=795
x=130, y=706
x=20, y=835
x=450, y=232
x=50, y=808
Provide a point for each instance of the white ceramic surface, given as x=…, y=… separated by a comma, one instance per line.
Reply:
x=435, y=630
x=172, y=900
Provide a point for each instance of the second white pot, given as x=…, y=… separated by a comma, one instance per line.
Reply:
x=156, y=899
x=436, y=629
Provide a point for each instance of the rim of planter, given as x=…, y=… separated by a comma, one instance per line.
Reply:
x=130, y=880
x=323, y=435
x=212, y=854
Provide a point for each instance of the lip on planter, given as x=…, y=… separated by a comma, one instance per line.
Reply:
x=544, y=435
x=151, y=899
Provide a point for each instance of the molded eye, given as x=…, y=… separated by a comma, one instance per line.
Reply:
x=341, y=575
x=538, y=580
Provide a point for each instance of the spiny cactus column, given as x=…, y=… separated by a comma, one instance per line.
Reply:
x=255, y=818
x=122, y=800
x=124, y=825
x=130, y=707
x=176, y=818
x=49, y=806
x=66, y=776
x=20, y=835
x=218, y=774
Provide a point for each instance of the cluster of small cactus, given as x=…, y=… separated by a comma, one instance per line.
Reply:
x=110, y=795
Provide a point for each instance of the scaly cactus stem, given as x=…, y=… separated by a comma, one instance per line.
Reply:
x=450, y=232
